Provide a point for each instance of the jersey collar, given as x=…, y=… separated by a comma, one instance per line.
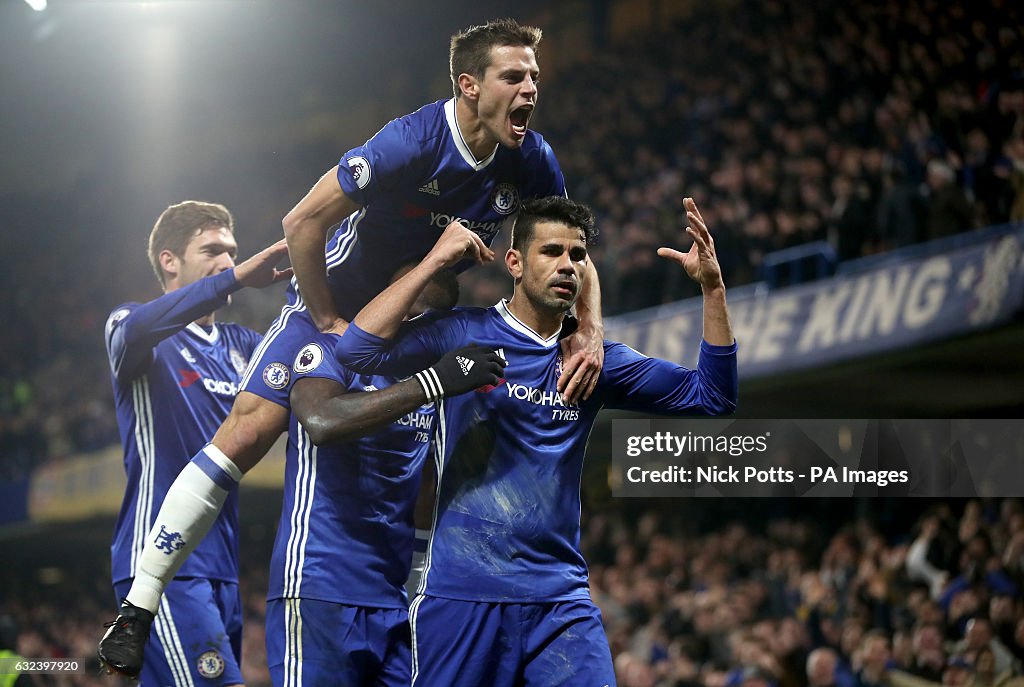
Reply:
x=460, y=142
x=512, y=321
x=208, y=337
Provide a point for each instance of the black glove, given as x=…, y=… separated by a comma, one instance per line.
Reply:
x=462, y=370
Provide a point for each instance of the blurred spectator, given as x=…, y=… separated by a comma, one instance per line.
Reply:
x=985, y=674
x=874, y=660
x=822, y=669
x=978, y=636
x=949, y=211
x=958, y=672
x=929, y=655
x=850, y=217
x=9, y=648
x=901, y=211
x=1014, y=171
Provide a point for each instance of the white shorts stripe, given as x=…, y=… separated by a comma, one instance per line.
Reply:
x=414, y=609
x=175, y=655
x=292, y=643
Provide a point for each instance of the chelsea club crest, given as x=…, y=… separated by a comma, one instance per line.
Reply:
x=505, y=199
x=238, y=361
x=210, y=665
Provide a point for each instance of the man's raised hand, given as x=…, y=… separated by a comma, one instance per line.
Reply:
x=261, y=269
x=701, y=261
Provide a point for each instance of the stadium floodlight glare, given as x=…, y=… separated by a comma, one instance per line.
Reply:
x=37, y=5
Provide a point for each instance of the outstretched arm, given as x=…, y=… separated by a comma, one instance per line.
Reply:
x=305, y=228
x=133, y=331
x=659, y=386
x=701, y=264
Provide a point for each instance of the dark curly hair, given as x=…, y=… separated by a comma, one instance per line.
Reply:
x=552, y=209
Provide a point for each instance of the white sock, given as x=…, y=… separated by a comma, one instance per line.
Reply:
x=190, y=508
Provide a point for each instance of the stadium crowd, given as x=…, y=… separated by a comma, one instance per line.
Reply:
x=868, y=125
x=57, y=620
x=733, y=593
x=798, y=604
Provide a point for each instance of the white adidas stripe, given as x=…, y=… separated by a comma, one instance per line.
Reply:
x=430, y=383
x=175, y=654
x=310, y=451
x=292, y=643
x=276, y=328
x=414, y=610
x=305, y=487
x=344, y=248
x=440, y=441
x=143, y=409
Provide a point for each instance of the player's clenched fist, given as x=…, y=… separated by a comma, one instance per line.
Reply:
x=456, y=243
x=462, y=370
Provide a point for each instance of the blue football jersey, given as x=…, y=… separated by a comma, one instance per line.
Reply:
x=346, y=530
x=412, y=179
x=506, y=522
x=174, y=383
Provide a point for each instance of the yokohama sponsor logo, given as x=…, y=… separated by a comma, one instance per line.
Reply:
x=441, y=221
x=537, y=396
x=219, y=386
x=417, y=420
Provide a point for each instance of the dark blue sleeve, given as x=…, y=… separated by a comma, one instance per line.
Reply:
x=545, y=173
x=556, y=181
x=329, y=368
x=632, y=381
x=380, y=164
x=418, y=345
x=133, y=330
x=255, y=338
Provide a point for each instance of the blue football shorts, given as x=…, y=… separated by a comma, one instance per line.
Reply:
x=314, y=643
x=473, y=644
